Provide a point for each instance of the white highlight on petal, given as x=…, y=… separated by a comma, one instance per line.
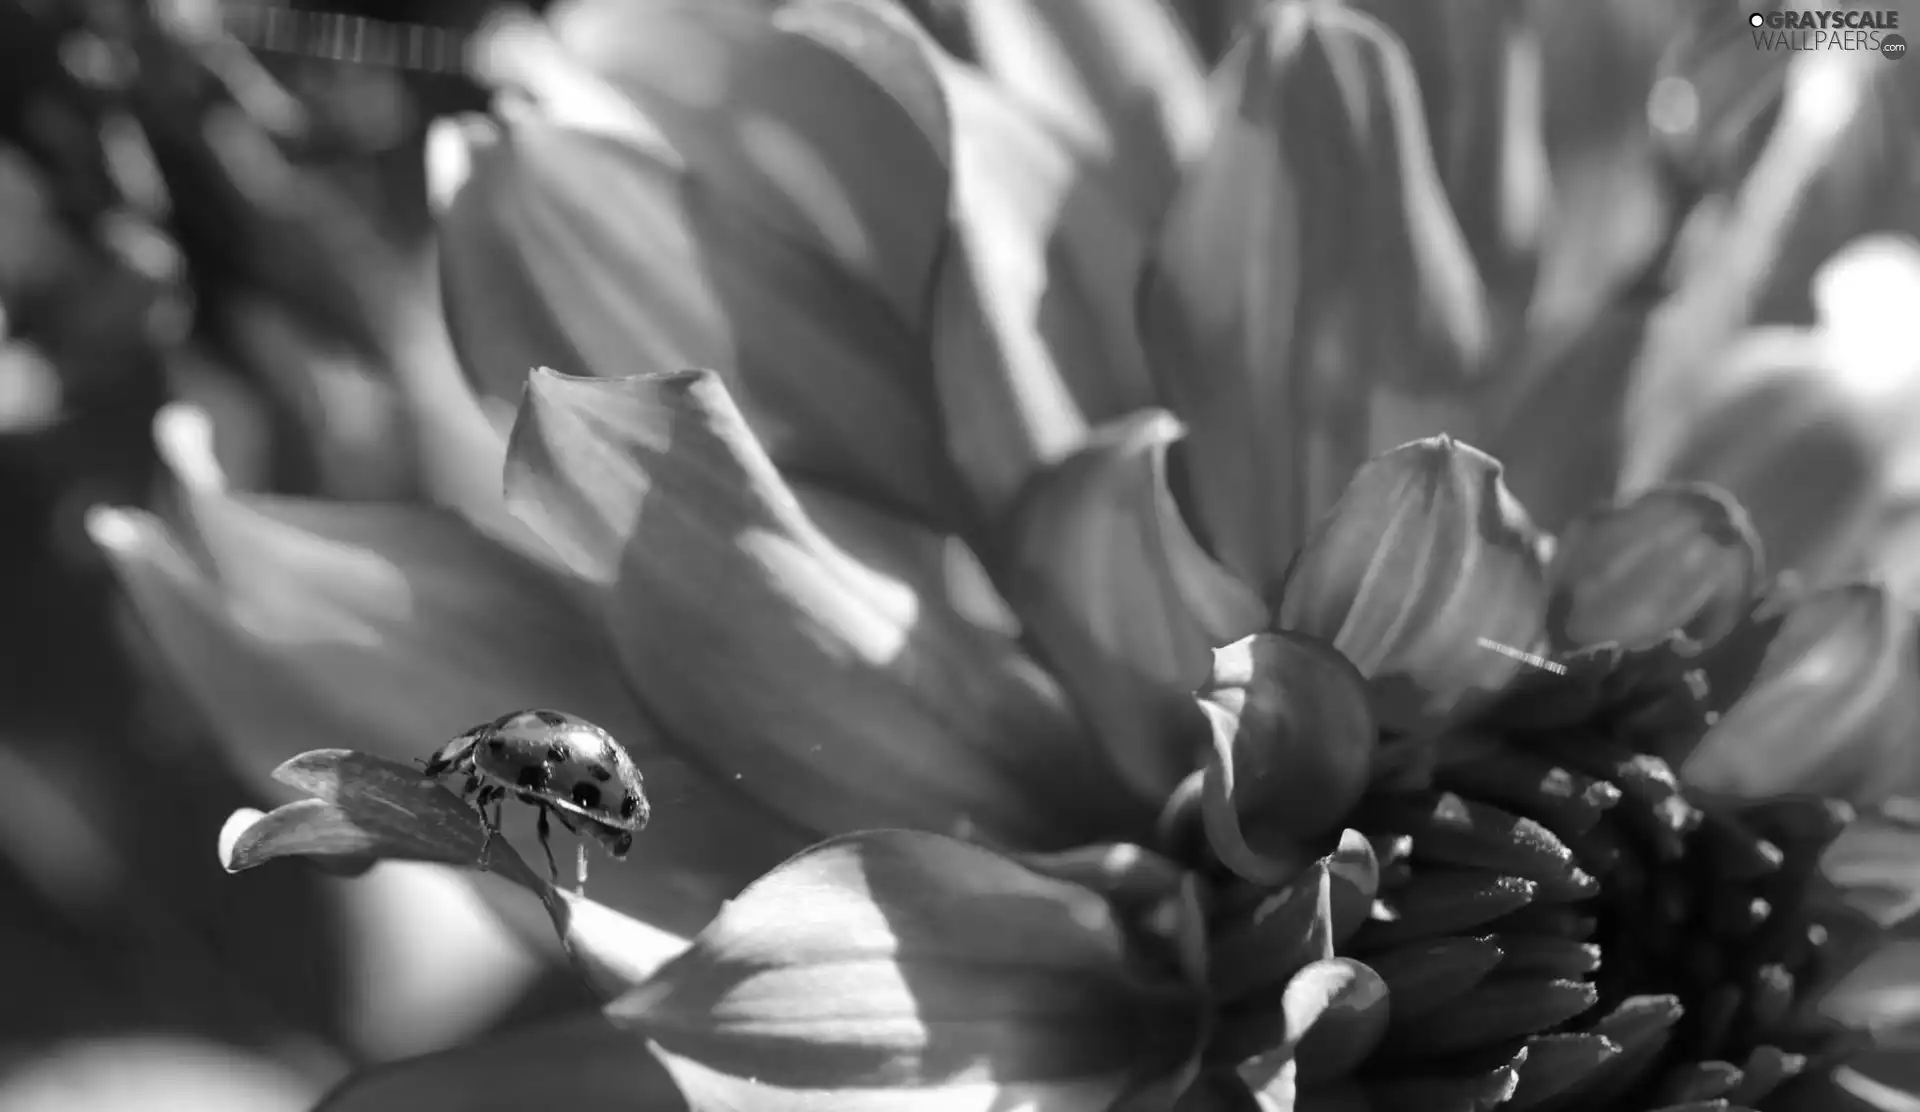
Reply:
x=184, y=435
x=1866, y=295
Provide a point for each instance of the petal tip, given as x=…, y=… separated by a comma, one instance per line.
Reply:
x=231, y=832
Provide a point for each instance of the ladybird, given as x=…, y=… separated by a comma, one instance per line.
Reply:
x=561, y=764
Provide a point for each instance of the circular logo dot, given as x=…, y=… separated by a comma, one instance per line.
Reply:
x=1757, y=19
x=1893, y=46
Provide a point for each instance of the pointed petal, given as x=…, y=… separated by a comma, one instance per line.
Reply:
x=1121, y=75
x=396, y=627
x=1675, y=559
x=812, y=660
x=900, y=970
x=1121, y=599
x=821, y=120
x=579, y=1062
x=1425, y=560
x=1293, y=742
x=1834, y=709
x=1034, y=330
x=1282, y=299
x=587, y=245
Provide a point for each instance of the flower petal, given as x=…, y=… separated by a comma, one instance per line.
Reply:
x=1122, y=600
x=377, y=809
x=586, y=245
x=1308, y=262
x=1424, y=562
x=1034, y=330
x=812, y=661
x=1877, y=865
x=1121, y=75
x=1679, y=558
x=1834, y=709
x=900, y=970
x=397, y=627
x=797, y=116
x=1336, y=1012
x=581, y=1062
x=1293, y=742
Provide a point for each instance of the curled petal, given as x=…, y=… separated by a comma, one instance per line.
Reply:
x=396, y=628
x=1122, y=75
x=1034, y=335
x=1123, y=601
x=1833, y=710
x=579, y=1062
x=900, y=970
x=1425, y=562
x=1293, y=741
x=1336, y=1012
x=1308, y=264
x=1679, y=558
x=585, y=245
x=806, y=653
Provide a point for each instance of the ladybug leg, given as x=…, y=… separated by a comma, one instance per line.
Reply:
x=489, y=824
x=580, y=879
x=546, y=831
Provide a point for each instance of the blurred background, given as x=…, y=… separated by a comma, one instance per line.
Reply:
x=194, y=210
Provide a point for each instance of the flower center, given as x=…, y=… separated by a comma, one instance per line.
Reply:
x=1546, y=882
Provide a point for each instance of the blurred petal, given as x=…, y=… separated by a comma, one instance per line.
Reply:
x=1555, y=414
x=394, y=628
x=1675, y=559
x=1309, y=260
x=1121, y=75
x=1722, y=282
x=1480, y=77
x=823, y=672
x=1123, y=601
x=1834, y=709
x=154, y=1072
x=821, y=120
x=585, y=245
x=1034, y=333
x=581, y=1062
x=1425, y=560
x=1877, y=864
x=901, y=971
x=1293, y=740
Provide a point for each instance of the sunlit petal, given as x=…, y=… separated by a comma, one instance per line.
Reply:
x=895, y=970
x=393, y=628
x=812, y=661
x=1121, y=74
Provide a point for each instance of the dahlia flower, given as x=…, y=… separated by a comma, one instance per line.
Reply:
x=1039, y=524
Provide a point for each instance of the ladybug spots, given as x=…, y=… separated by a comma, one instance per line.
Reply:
x=496, y=746
x=628, y=806
x=551, y=718
x=586, y=795
x=533, y=777
x=558, y=754
x=600, y=772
